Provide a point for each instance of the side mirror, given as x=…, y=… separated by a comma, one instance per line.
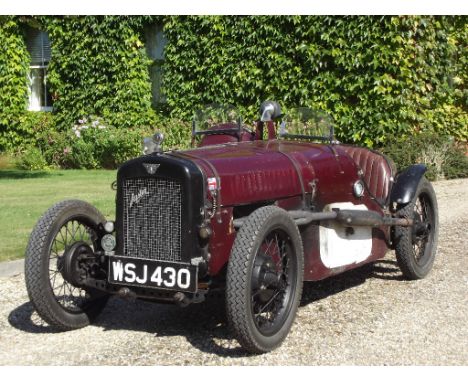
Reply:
x=269, y=110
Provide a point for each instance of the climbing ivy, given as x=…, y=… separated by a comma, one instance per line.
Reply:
x=377, y=76
x=99, y=67
x=14, y=63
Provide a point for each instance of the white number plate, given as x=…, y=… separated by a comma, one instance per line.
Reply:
x=153, y=274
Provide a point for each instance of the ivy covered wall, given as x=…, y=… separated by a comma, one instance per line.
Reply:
x=377, y=76
x=14, y=67
x=99, y=67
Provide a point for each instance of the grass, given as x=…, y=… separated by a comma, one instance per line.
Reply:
x=26, y=195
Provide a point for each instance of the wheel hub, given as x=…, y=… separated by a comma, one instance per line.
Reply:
x=72, y=263
x=420, y=228
x=264, y=277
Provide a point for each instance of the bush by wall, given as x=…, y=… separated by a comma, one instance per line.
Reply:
x=93, y=143
x=443, y=156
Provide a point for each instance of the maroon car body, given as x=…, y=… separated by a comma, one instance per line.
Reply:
x=283, y=173
x=248, y=216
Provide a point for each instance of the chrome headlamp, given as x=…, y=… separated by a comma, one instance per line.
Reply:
x=358, y=188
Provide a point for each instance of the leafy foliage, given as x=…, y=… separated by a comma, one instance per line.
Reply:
x=92, y=148
x=377, y=76
x=14, y=66
x=32, y=160
x=380, y=78
x=99, y=66
x=444, y=158
x=93, y=143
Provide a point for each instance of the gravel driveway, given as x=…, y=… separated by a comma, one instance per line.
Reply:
x=369, y=316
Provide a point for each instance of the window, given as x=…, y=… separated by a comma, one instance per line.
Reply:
x=38, y=45
x=155, y=44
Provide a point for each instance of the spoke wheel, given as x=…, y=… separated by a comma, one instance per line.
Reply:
x=271, y=282
x=416, y=246
x=66, y=290
x=58, y=248
x=264, y=279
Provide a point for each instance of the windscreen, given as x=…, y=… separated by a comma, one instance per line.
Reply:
x=215, y=117
x=306, y=123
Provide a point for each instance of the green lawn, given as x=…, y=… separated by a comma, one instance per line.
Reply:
x=25, y=196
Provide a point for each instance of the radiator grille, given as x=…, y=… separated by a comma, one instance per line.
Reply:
x=152, y=218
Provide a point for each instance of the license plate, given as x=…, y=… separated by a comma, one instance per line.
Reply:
x=153, y=274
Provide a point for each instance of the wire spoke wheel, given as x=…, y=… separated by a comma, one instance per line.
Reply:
x=71, y=297
x=264, y=279
x=422, y=229
x=57, y=258
x=272, y=282
x=416, y=246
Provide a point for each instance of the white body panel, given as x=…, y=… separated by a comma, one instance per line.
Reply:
x=340, y=245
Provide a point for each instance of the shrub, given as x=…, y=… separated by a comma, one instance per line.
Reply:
x=445, y=159
x=6, y=161
x=93, y=143
x=32, y=160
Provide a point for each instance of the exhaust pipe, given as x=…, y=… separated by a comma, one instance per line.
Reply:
x=369, y=219
x=357, y=218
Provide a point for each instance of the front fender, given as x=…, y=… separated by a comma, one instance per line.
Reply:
x=406, y=184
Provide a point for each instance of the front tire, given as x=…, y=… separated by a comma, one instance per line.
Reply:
x=264, y=279
x=58, y=300
x=416, y=246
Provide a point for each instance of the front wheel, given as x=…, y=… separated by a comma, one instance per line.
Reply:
x=60, y=246
x=264, y=279
x=415, y=246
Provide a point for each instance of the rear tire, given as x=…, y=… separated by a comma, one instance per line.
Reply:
x=264, y=279
x=61, y=304
x=416, y=246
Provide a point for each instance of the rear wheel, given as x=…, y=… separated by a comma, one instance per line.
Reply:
x=60, y=246
x=264, y=279
x=416, y=246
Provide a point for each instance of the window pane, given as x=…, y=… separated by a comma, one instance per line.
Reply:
x=39, y=95
x=156, y=73
x=36, y=89
x=155, y=42
x=38, y=45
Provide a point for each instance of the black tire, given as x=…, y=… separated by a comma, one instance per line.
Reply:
x=75, y=307
x=261, y=274
x=416, y=246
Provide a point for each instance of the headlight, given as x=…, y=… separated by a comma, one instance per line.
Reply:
x=108, y=242
x=358, y=188
x=109, y=226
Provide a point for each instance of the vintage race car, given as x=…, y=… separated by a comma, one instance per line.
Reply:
x=252, y=214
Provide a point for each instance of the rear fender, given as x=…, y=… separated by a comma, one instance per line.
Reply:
x=406, y=184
